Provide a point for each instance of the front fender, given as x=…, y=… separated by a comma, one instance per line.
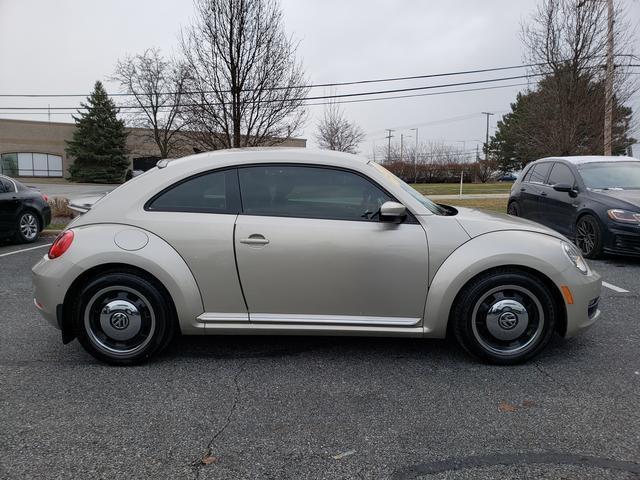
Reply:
x=532, y=250
x=95, y=246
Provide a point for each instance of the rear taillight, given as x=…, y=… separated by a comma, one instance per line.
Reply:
x=61, y=244
x=45, y=198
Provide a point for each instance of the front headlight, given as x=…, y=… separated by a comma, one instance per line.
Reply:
x=575, y=258
x=624, y=216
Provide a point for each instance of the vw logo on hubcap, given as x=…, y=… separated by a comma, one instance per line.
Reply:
x=119, y=321
x=508, y=320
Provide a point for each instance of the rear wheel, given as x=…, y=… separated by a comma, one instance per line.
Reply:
x=504, y=317
x=122, y=318
x=589, y=236
x=28, y=227
x=513, y=209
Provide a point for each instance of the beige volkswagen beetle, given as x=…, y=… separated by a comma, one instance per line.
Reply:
x=297, y=242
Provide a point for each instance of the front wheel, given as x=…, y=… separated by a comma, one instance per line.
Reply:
x=513, y=209
x=122, y=318
x=28, y=227
x=504, y=317
x=589, y=236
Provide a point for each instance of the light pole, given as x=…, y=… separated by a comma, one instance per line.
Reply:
x=402, y=145
x=415, y=158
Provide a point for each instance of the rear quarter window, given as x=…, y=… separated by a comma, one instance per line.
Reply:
x=539, y=172
x=213, y=192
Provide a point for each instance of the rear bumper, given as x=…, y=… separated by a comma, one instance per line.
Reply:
x=46, y=216
x=50, y=287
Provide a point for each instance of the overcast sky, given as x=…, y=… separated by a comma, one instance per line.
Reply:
x=63, y=46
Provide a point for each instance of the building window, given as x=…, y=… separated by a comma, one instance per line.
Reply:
x=31, y=165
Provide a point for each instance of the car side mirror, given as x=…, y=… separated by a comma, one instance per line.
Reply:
x=393, y=211
x=565, y=187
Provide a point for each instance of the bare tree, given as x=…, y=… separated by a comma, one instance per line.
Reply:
x=485, y=169
x=335, y=132
x=245, y=86
x=155, y=87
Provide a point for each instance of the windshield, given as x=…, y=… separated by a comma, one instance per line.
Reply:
x=432, y=207
x=611, y=175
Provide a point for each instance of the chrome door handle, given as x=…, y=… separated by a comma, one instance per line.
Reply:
x=255, y=239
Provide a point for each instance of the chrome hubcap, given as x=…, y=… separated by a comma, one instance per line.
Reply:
x=119, y=320
x=28, y=226
x=508, y=320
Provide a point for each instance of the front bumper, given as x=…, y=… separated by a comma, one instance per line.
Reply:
x=622, y=239
x=584, y=311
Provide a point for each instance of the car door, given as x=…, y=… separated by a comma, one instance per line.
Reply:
x=558, y=209
x=531, y=189
x=196, y=216
x=311, y=248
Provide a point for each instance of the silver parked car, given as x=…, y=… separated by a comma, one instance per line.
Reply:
x=291, y=241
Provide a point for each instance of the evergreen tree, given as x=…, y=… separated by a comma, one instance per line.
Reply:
x=99, y=141
x=562, y=115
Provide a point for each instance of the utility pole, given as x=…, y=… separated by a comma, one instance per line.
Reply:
x=608, y=101
x=486, y=153
x=608, y=83
x=389, y=137
x=401, y=145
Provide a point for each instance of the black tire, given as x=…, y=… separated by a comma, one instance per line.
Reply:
x=28, y=227
x=513, y=209
x=123, y=319
x=485, y=307
x=589, y=236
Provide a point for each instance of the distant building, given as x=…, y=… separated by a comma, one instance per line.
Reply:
x=36, y=149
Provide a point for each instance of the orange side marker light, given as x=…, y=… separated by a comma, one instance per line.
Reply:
x=567, y=294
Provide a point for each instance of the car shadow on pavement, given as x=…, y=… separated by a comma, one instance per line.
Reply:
x=250, y=346
x=378, y=349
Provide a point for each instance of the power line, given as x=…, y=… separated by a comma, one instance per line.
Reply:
x=316, y=85
x=294, y=87
x=74, y=110
x=304, y=99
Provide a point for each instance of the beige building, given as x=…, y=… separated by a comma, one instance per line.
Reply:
x=36, y=149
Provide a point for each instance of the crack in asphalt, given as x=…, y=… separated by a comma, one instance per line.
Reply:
x=544, y=372
x=199, y=463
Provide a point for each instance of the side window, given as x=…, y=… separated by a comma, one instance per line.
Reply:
x=309, y=192
x=527, y=177
x=214, y=192
x=561, y=174
x=539, y=172
x=5, y=186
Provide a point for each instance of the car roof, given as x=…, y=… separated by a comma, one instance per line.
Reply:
x=582, y=159
x=238, y=156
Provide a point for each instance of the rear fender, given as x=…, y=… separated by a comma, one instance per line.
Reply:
x=95, y=246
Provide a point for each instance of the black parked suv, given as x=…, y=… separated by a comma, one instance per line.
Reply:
x=24, y=211
x=594, y=200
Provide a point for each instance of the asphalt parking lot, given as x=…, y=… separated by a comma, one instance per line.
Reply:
x=319, y=408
